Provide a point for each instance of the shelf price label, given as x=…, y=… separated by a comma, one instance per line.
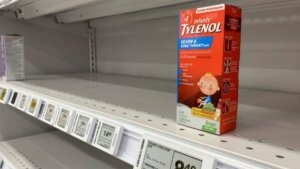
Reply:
x=159, y=156
x=49, y=113
x=22, y=102
x=4, y=95
x=108, y=137
x=13, y=98
x=81, y=126
x=34, y=106
x=84, y=126
x=65, y=118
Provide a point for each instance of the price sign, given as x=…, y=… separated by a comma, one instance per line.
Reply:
x=4, y=95
x=13, y=98
x=159, y=156
x=65, y=119
x=22, y=102
x=108, y=137
x=182, y=161
x=34, y=106
x=84, y=126
x=49, y=113
x=81, y=125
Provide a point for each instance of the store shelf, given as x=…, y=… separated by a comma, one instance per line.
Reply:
x=4, y=4
x=266, y=137
x=54, y=150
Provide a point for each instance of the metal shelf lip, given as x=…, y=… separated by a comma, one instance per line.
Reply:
x=135, y=115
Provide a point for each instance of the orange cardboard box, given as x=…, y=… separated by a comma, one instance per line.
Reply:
x=208, y=66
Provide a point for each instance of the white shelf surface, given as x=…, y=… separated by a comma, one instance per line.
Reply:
x=267, y=133
x=55, y=150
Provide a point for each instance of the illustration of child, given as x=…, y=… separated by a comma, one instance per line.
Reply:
x=208, y=85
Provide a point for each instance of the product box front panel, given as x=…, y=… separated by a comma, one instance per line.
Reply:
x=208, y=49
x=12, y=55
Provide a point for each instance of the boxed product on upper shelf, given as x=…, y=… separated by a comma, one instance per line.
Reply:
x=209, y=54
x=127, y=106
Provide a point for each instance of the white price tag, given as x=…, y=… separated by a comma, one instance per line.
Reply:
x=64, y=120
x=34, y=106
x=159, y=156
x=4, y=95
x=83, y=127
x=13, y=99
x=182, y=161
x=22, y=102
x=108, y=137
x=49, y=113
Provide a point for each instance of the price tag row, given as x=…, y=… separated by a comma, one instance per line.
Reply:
x=158, y=154
x=102, y=134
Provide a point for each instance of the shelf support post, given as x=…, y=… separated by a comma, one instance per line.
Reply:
x=92, y=49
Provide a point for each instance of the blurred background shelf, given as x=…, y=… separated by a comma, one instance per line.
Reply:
x=131, y=48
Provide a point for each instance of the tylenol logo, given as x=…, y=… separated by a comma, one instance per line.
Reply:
x=187, y=17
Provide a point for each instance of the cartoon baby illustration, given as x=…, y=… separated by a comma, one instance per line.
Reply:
x=208, y=85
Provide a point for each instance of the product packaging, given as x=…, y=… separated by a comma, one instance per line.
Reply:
x=209, y=53
x=12, y=55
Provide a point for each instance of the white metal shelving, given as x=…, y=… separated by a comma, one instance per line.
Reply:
x=147, y=107
x=267, y=134
x=54, y=150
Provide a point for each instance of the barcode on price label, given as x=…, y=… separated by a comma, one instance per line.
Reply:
x=161, y=157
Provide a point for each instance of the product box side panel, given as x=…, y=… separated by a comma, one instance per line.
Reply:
x=230, y=81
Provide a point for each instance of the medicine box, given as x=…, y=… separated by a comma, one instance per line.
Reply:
x=209, y=54
x=12, y=56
